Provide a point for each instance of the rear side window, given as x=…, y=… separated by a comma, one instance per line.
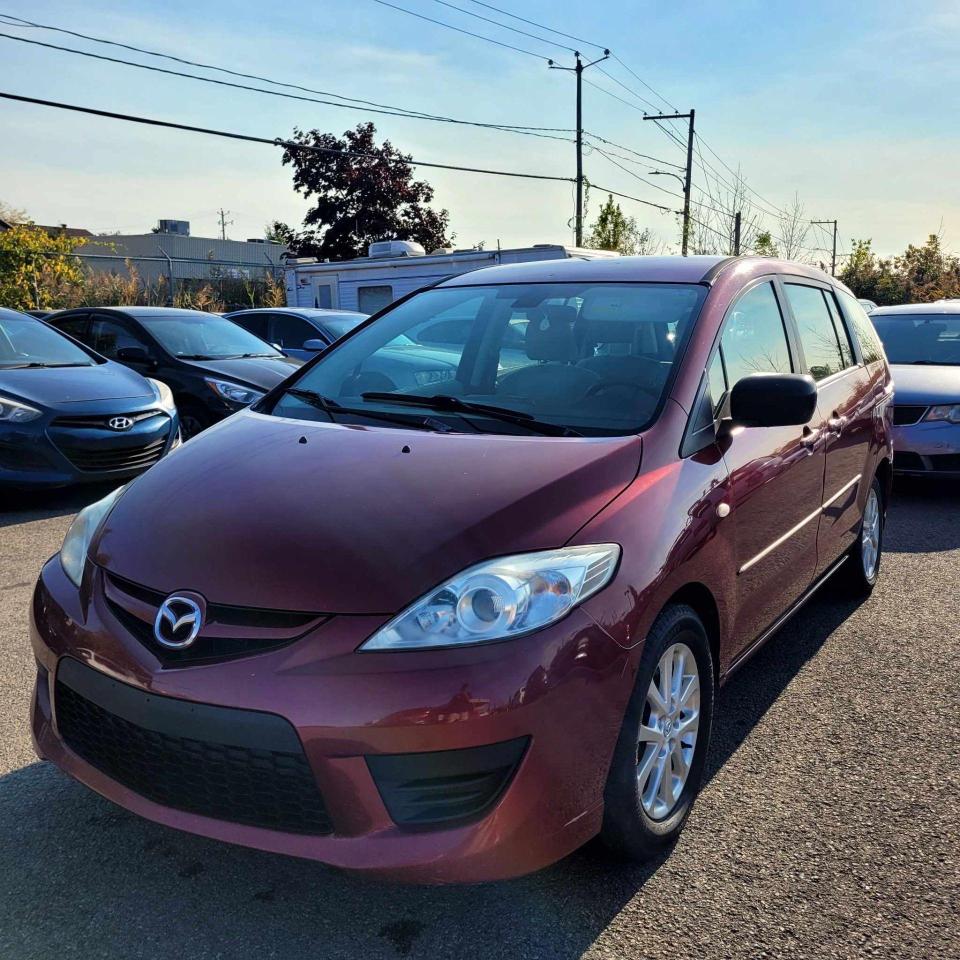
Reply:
x=871, y=349
x=107, y=336
x=754, y=339
x=255, y=323
x=818, y=336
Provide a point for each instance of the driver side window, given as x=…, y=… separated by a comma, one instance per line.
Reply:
x=754, y=339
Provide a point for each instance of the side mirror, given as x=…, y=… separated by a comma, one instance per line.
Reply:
x=773, y=400
x=315, y=345
x=134, y=355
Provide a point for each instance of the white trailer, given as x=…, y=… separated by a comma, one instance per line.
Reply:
x=394, y=268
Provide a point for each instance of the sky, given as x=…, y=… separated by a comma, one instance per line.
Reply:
x=851, y=106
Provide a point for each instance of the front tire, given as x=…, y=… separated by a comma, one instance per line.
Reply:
x=862, y=569
x=659, y=759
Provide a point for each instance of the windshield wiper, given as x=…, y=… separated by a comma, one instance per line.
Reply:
x=36, y=364
x=247, y=356
x=331, y=407
x=445, y=402
x=934, y=363
x=198, y=356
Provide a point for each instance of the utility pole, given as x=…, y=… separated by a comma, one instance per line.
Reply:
x=578, y=70
x=736, y=234
x=688, y=180
x=224, y=223
x=833, y=255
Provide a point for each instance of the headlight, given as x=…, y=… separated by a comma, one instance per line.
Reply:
x=425, y=377
x=13, y=411
x=73, y=553
x=500, y=599
x=949, y=412
x=164, y=396
x=233, y=392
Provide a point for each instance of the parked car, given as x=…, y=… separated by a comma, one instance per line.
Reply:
x=39, y=314
x=304, y=332
x=922, y=342
x=69, y=416
x=213, y=367
x=868, y=305
x=496, y=622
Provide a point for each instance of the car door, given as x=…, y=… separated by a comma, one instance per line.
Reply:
x=775, y=473
x=74, y=325
x=845, y=402
x=289, y=332
x=111, y=335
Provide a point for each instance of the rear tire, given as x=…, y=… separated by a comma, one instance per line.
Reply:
x=862, y=569
x=193, y=419
x=659, y=759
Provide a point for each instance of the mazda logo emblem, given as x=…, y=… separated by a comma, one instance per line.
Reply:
x=119, y=423
x=178, y=622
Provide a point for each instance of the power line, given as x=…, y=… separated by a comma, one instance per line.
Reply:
x=620, y=83
x=635, y=153
x=276, y=141
x=541, y=26
x=636, y=176
x=469, y=33
x=503, y=26
x=539, y=132
x=626, y=196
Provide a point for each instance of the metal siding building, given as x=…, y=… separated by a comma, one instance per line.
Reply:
x=370, y=283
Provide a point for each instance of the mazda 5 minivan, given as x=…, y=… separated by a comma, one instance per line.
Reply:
x=495, y=623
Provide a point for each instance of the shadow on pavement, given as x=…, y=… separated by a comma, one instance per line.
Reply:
x=22, y=506
x=913, y=527
x=121, y=883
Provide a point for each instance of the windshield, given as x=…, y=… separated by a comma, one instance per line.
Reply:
x=585, y=358
x=26, y=342
x=205, y=337
x=336, y=327
x=930, y=338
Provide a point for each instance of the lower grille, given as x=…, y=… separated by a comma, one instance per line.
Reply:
x=929, y=463
x=947, y=462
x=114, y=458
x=908, y=461
x=235, y=765
x=905, y=414
x=446, y=786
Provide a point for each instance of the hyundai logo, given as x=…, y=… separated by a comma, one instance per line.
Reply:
x=119, y=423
x=178, y=622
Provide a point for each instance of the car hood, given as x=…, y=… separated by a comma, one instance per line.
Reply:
x=56, y=386
x=261, y=372
x=919, y=383
x=292, y=515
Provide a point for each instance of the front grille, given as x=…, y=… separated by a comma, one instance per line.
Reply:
x=906, y=460
x=114, y=458
x=228, y=632
x=905, y=414
x=101, y=421
x=446, y=786
x=235, y=765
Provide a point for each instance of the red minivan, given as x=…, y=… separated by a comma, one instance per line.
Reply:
x=451, y=631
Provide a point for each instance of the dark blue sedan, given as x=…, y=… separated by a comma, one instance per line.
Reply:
x=68, y=415
x=922, y=342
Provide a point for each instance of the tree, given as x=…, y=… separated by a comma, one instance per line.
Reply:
x=34, y=273
x=794, y=227
x=279, y=232
x=763, y=245
x=918, y=275
x=12, y=215
x=614, y=231
x=361, y=192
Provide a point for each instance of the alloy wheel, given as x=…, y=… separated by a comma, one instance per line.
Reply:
x=668, y=734
x=870, y=535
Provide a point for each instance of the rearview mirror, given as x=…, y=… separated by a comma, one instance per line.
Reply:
x=773, y=400
x=315, y=345
x=133, y=355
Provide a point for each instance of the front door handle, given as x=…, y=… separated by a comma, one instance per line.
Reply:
x=810, y=438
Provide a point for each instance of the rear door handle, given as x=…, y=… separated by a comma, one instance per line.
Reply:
x=836, y=424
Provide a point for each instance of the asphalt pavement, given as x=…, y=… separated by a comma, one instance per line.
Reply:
x=829, y=826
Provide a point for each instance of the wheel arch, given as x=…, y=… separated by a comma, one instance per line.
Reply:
x=884, y=474
x=699, y=597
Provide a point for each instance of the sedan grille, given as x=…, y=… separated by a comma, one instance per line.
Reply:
x=102, y=421
x=114, y=458
x=905, y=414
x=236, y=765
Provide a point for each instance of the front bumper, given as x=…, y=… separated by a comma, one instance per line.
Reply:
x=555, y=698
x=927, y=448
x=45, y=454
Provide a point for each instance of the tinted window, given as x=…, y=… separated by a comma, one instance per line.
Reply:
x=290, y=331
x=340, y=326
x=932, y=338
x=821, y=349
x=538, y=349
x=754, y=339
x=25, y=341
x=716, y=384
x=843, y=334
x=255, y=323
x=870, y=346
x=75, y=326
x=204, y=336
x=108, y=335
x=372, y=299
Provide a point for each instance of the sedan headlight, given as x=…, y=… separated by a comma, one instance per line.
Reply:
x=164, y=394
x=13, y=411
x=233, y=392
x=500, y=599
x=950, y=412
x=73, y=553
